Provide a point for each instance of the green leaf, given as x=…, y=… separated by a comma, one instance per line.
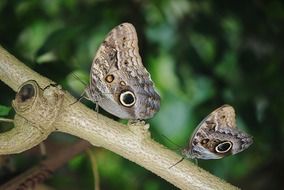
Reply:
x=4, y=110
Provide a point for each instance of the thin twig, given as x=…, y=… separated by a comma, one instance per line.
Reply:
x=7, y=120
x=95, y=169
x=43, y=170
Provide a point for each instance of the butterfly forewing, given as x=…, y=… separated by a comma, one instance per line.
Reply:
x=119, y=82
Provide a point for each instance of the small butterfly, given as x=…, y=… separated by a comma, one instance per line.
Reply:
x=217, y=136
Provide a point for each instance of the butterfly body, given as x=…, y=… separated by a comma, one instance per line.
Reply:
x=119, y=82
x=217, y=136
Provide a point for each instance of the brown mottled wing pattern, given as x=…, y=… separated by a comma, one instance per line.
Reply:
x=221, y=117
x=216, y=128
x=224, y=116
x=118, y=57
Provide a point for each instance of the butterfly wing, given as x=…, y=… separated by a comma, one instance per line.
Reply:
x=217, y=136
x=119, y=82
x=224, y=117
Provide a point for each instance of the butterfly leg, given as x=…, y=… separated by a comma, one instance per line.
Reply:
x=80, y=98
x=136, y=122
x=97, y=107
x=196, y=161
x=177, y=162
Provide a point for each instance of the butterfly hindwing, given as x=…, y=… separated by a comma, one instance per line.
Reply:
x=119, y=82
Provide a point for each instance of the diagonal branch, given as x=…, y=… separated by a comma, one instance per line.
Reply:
x=48, y=110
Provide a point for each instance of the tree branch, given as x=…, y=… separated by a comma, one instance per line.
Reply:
x=49, y=109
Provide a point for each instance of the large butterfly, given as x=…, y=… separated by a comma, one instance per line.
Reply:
x=119, y=83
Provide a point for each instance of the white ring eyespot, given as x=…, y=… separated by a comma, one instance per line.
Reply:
x=223, y=147
x=127, y=98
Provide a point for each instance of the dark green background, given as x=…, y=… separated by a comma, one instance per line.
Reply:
x=201, y=55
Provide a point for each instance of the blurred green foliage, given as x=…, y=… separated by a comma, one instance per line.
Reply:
x=201, y=55
x=4, y=110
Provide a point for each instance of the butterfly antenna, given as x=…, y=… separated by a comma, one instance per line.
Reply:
x=83, y=94
x=179, y=147
x=78, y=78
x=177, y=162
